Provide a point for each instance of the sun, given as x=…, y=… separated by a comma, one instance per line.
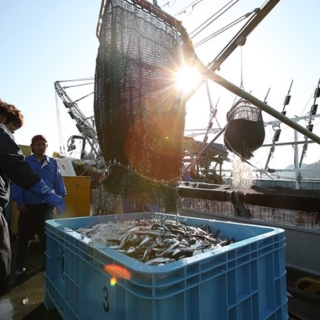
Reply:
x=187, y=78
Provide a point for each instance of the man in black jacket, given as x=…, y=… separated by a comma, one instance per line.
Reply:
x=13, y=167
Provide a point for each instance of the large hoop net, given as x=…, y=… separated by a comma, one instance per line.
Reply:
x=245, y=129
x=139, y=115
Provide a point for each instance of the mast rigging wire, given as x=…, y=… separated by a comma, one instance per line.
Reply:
x=232, y=40
x=241, y=67
x=228, y=26
x=78, y=85
x=168, y=4
x=192, y=5
x=81, y=79
x=84, y=96
x=60, y=133
x=192, y=35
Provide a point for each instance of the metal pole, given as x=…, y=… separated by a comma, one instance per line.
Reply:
x=258, y=103
x=296, y=171
x=286, y=143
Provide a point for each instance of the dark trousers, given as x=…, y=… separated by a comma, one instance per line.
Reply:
x=5, y=254
x=32, y=222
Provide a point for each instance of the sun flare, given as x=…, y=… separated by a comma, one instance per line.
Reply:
x=187, y=78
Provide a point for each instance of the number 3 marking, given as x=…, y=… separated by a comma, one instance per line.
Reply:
x=106, y=303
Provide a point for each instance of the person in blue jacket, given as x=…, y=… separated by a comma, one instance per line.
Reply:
x=14, y=167
x=34, y=211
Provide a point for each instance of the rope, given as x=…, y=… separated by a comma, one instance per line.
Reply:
x=219, y=126
x=130, y=169
x=213, y=114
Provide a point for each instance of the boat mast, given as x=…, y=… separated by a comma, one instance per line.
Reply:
x=277, y=127
x=313, y=112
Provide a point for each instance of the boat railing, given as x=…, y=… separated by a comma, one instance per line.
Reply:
x=295, y=211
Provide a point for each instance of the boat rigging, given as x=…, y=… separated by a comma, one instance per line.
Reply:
x=85, y=125
x=276, y=128
x=312, y=113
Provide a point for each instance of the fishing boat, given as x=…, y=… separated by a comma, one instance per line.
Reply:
x=296, y=211
x=307, y=203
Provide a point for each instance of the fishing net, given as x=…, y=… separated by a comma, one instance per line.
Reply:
x=245, y=129
x=139, y=115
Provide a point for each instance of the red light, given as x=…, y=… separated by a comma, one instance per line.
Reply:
x=117, y=271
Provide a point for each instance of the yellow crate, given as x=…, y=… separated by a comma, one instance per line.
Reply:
x=26, y=150
x=78, y=198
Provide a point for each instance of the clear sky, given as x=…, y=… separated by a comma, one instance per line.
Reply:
x=46, y=41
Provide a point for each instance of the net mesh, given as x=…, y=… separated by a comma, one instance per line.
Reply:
x=139, y=116
x=245, y=129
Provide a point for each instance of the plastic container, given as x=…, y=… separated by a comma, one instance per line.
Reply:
x=243, y=281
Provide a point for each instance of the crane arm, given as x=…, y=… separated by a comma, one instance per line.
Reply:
x=85, y=127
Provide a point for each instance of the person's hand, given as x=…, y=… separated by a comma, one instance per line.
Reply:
x=22, y=207
x=41, y=188
x=56, y=201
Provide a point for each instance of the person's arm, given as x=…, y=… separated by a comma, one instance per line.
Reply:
x=13, y=165
x=59, y=185
x=17, y=195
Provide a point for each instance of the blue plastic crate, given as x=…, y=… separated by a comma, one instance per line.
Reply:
x=243, y=281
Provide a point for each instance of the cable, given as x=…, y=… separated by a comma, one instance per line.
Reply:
x=89, y=94
x=61, y=139
x=241, y=82
x=83, y=79
x=193, y=4
x=228, y=26
x=168, y=4
x=78, y=85
x=192, y=35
